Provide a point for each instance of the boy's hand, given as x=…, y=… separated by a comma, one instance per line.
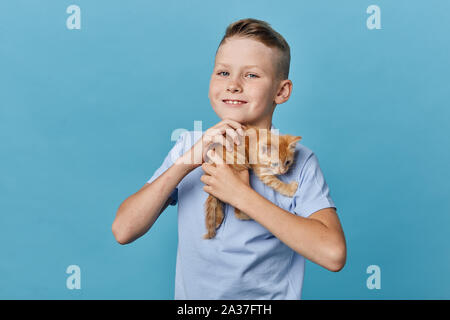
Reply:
x=226, y=133
x=223, y=182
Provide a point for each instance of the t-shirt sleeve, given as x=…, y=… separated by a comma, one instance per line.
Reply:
x=312, y=193
x=176, y=152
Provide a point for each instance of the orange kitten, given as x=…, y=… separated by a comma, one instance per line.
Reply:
x=268, y=155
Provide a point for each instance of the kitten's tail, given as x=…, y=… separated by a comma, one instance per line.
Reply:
x=211, y=204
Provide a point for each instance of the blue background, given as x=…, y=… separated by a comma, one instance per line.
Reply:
x=86, y=118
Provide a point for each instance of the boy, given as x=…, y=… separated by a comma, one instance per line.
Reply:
x=262, y=258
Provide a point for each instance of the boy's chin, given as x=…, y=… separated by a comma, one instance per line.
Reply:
x=235, y=116
x=241, y=120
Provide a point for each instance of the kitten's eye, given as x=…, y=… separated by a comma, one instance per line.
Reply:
x=287, y=162
x=275, y=164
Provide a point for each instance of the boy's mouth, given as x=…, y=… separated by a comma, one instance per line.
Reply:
x=233, y=102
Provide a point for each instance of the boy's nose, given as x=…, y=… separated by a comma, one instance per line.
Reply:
x=233, y=88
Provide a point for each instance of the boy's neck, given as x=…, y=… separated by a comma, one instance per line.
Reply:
x=264, y=123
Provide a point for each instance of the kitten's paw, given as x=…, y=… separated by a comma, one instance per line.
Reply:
x=292, y=188
x=240, y=215
x=210, y=234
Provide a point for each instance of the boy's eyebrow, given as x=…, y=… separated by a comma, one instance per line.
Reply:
x=247, y=66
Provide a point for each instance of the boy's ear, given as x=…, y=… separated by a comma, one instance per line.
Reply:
x=284, y=92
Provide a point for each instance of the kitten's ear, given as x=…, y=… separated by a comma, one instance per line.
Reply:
x=293, y=141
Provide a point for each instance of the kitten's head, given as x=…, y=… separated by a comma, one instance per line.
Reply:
x=285, y=145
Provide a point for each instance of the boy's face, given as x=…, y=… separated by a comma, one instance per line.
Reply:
x=245, y=70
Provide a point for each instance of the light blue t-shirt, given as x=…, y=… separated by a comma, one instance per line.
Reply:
x=244, y=260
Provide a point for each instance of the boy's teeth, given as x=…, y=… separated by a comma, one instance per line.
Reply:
x=233, y=102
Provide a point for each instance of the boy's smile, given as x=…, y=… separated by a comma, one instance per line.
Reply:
x=244, y=85
x=233, y=102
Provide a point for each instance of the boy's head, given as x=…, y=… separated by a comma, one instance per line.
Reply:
x=251, y=66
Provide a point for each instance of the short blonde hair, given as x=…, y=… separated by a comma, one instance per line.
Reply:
x=264, y=33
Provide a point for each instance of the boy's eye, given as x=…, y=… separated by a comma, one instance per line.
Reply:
x=275, y=164
x=226, y=73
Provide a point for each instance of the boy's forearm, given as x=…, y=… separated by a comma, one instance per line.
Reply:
x=308, y=237
x=138, y=213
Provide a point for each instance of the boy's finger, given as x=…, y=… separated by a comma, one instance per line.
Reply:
x=205, y=179
x=231, y=134
x=236, y=125
x=208, y=168
x=224, y=142
x=214, y=157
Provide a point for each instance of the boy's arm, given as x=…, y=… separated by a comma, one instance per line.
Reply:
x=138, y=213
x=319, y=238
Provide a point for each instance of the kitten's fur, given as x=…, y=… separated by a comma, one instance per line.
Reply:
x=265, y=168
